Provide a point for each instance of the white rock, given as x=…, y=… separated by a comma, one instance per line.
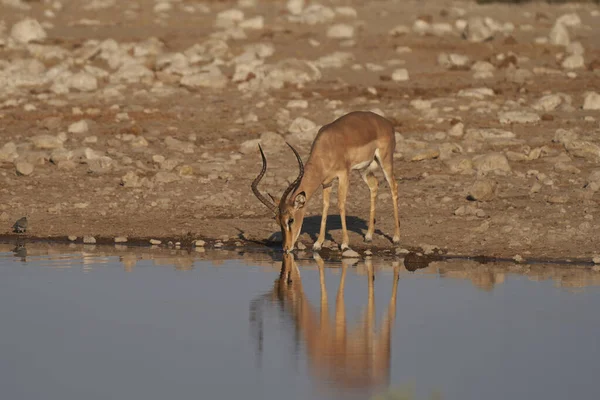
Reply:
x=301, y=125
x=478, y=93
x=519, y=117
x=559, y=35
x=78, y=127
x=257, y=23
x=229, y=18
x=82, y=81
x=46, y=142
x=340, y=31
x=295, y=7
x=477, y=30
x=573, y=61
x=336, y=59
x=89, y=239
x=399, y=75
x=491, y=162
x=297, y=104
x=314, y=14
x=452, y=60
x=349, y=253
x=27, y=30
x=249, y=146
x=457, y=130
x=591, y=101
x=570, y=20
x=547, y=103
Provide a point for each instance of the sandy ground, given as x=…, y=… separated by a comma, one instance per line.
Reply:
x=544, y=203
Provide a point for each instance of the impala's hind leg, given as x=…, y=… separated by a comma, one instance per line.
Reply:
x=386, y=162
x=371, y=181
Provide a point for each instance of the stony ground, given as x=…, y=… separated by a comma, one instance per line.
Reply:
x=141, y=118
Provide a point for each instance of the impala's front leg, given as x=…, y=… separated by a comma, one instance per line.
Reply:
x=326, y=196
x=342, y=194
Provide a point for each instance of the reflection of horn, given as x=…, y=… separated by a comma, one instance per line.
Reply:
x=347, y=357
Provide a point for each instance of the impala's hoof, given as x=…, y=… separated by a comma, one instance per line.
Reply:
x=369, y=237
x=344, y=246
x=317, y=246
x=396, y=239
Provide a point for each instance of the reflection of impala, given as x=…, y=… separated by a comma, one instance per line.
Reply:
x=355, y=358
x=356, y=141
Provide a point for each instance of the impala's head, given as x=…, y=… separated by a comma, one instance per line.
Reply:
x=289, y=209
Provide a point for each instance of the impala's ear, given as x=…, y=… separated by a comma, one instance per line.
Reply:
x=299, y=200
x=276, y=200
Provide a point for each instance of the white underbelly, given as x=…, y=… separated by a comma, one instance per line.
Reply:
x=370, y=163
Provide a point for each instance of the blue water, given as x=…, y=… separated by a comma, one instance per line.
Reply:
x=93, y=329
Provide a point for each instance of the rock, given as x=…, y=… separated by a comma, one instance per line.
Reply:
x=199, y=243
x=121, y=239
x=559, y=35
x=186, y=171
x=155, y=242
x=419, y=104
x=460, y=165
x=349, y=253
x=492, y=162
x=100, y=165
x=78, y=127
x=165, y=177
x=89, y=240
x=229, y=18
x=132, y=73
x=482, y=190
x=591, y=101
x=557, y=199
x=457, y=130
x=24, y=168
x=313, y=14
x=27, y=30
x=570, y=20
x=303, y=125
x=249, y=146
x=478, y=93
x=257, y=23
x=547, y=103
x=518, y=117
x=208, y=77
x=131, y=179
x=340, y=31
x=583, y=149
x=46, y=142
x=575, y=48
x=477, y=30
x=573, y=61
x=295, y=7
x=82, y=81
x=518, y=75
x=425, y=154
x=8, y=152
x=483, y=70
x=400, y=75
x=453, y=60
x=337, y=59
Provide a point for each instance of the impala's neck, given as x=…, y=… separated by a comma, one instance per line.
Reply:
x=312, y=179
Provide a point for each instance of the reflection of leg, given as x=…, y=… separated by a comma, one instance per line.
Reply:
x=324, y=302
x=340, y=307
x=371, y=181
x=342, y=194
x=371, y=301
x=326, y=195
x=391, y=314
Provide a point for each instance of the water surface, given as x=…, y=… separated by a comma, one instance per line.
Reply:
x=90, y=323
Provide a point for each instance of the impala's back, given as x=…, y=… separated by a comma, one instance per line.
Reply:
x=352, y=140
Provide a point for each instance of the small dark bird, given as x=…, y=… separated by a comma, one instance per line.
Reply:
x=21, y=225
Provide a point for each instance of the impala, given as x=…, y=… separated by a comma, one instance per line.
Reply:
x=360, y=140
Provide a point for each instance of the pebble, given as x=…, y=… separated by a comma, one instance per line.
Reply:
x=199, y=243
x=89, y=239
x=121, y=239
x=349, y=253
x=155, y=242
x=24, y=168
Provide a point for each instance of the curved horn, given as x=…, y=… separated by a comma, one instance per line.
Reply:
x=262, y=198
x=294, y=184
